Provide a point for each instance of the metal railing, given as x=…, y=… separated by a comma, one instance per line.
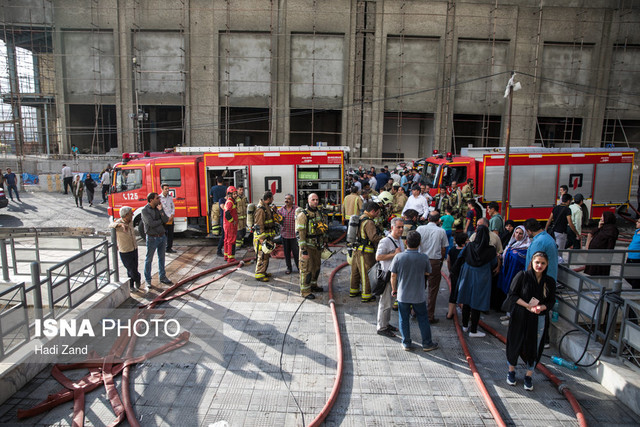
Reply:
x=589, y=302
x=52, y=294
x=629, y=338
x=616, y=258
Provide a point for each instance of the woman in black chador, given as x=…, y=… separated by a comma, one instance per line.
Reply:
x=531, y=296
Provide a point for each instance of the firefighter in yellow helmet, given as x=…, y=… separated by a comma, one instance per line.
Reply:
x=241, y=206
x=263, y=235
x=312, y=230
x=364, y=254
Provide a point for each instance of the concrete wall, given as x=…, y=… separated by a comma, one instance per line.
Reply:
x=366, y=59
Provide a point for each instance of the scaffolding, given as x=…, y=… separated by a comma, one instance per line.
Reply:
x=392, y=81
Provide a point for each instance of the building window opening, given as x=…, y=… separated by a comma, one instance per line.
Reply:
x=244, y=126
x=559, y=132
x=309, y=127
x=471, y=130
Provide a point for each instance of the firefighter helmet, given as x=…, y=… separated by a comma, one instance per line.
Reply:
x=268, y=247
x=231, y=189
x=385, y=198
x=322, y=228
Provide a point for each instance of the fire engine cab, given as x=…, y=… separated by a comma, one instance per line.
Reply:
x=602, y=176
x=192, y=171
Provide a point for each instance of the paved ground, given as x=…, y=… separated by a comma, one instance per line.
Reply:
x=268, y=378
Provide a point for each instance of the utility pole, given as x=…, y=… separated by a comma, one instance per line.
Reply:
x=511, y=87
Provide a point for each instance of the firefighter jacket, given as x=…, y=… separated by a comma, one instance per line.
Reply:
x=312, y=228
x=399, y=200
x=441, y=202
x=231, y=211
x=455, y=198
x=467, y=193
x=241, y=206
x=264, y=226
x=352, y=205
x=368, y=236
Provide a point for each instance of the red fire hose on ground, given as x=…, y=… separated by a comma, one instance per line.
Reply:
x=338, y=381
x=562, y=388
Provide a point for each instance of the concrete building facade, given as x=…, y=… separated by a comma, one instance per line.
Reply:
x=391, y=79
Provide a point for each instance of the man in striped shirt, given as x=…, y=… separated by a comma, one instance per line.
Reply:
x=288, y=232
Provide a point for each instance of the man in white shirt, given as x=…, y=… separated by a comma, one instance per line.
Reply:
x=433, y=243
x=417, y=202
x=105, y=180
x=575, y=241
x=388, y=248
x=169, y=210
x=67, y=177
x=372, y=180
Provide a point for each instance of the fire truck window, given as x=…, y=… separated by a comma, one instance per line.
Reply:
x=430, y=170
x=128, y=179
x=454, y=173
x=170, y=176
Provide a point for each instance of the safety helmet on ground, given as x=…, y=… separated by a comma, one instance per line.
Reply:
x=268, y=247
x=385, y=198
x=231, y=189
x=326, y=254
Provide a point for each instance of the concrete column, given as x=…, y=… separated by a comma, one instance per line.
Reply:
x=125, y=105
x=443, y=123
x=593, y=121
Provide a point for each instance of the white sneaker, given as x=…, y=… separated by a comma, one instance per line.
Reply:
x=477, y=334
x=145, y=288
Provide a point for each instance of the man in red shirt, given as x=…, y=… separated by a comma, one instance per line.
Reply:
x=230, y=224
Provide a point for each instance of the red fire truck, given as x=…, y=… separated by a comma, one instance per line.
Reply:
x=192, y=171
x=602, y=176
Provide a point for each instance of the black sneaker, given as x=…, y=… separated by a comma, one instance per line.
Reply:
x=372, y=298
x=310, y=296
x=511, y=377
x=317, y=289
x=386, y=333
x=393, y=328
x=166, y=281
x=170, y=251
x=431, y=347
x=528, y=383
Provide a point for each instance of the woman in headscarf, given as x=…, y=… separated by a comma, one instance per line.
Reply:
x=532, y=294
x=474, y=283
x=513, y=258
x=603, y=238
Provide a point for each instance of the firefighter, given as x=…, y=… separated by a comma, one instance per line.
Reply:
x=385, y=200
x=399, y=199
x=455, y=198
x=312, y=230
x=467, y=194
x=216, y=193
x=351, y=205
x=241, y=206
x=442, y=200
x=230, y=224
x=263, y=235
x=364, y=254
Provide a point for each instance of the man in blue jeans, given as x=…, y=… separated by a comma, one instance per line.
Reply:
x=154, y=219
x=408, y=271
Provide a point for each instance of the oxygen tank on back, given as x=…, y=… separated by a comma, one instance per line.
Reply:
x=352, y=229
x=251, y=209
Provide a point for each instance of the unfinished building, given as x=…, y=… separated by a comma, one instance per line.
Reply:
x=391, y=79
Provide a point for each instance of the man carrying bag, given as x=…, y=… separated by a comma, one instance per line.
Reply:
x=387, y=249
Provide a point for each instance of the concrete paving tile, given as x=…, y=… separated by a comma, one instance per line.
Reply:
x=235, y=418
x=411, y=405
x=380, y=405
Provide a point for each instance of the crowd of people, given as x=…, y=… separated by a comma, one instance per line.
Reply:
x=492, y=263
